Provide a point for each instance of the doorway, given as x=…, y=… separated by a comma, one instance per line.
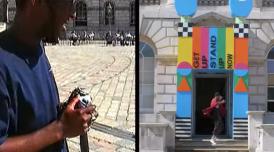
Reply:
x=205, y=85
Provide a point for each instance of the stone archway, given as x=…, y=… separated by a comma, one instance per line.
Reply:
x=212, y=19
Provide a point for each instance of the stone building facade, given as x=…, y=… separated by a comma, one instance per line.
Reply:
x=92, y=15
x=3, y=13
x=158, y=35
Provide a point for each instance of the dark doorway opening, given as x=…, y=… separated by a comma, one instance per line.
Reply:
x=205, y=89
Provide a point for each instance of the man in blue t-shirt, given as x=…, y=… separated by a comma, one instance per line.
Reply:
x=28, y=93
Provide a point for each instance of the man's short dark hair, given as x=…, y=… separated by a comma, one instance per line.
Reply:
x=217, y=94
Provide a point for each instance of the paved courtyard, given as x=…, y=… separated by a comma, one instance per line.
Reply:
x=108, y=74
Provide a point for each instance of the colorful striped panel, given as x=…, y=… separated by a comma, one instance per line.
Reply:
x=212, y=51
x=221, y=47
x=241, y=53
x=184, y=79
x=240, y=105
x=196, y=37
x=185, y=50
x=204, y=47
x=240, y=93
x=183, y=104
x=183, y=128
x=229, y=48
x=240, y=128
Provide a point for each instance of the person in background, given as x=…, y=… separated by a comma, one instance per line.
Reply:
x=216, y=111
x=218, y=115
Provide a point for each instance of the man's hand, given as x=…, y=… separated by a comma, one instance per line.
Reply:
x=221, y=102
x=75, y=121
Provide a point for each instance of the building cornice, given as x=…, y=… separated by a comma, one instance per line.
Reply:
x=167, y=59
x=173, y=58
x=169, y=11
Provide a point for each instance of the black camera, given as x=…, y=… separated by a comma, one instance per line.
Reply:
x=85, y=101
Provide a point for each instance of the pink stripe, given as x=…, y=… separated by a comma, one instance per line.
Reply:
x=184, y=65
x=241, y=66
x=204, y=51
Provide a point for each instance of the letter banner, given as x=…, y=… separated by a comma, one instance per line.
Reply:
x=196, y=47
x=212, y=51
x=229, y=48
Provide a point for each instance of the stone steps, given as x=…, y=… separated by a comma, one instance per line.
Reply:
x=203, y=145
x=212, y=150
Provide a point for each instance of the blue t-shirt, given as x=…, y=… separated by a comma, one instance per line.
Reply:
x=28, y=92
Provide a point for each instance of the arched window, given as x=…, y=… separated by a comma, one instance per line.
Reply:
x=132, y=13
x=109, y=13
x=270, y=88
x=81, y=14
x=146, y=77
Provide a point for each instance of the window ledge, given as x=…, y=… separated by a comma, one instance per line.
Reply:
x=255, y=112
x=167, y=58
x=154, y=125
x=266, y=126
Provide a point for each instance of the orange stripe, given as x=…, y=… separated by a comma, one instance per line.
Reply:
x=184, y=85
x=240, y=87
x=197, y=61
x=241, y=51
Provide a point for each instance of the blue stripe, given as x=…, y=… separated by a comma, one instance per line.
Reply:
x=240, y=100
x=212, y=48
x=183, y=104
x=240, y=105
x=184, y=72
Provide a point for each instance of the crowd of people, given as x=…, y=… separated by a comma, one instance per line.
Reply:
x=119, y=38
x=80, y=38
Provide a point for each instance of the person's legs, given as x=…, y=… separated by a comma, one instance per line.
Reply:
x=220, y=125
x=219, y=128
x=215, y=129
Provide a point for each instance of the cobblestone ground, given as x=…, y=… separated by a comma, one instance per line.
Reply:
x=108, y=74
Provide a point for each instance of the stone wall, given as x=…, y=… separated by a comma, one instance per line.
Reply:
x=164, y=36
x=261, y=37
x=165, y=87
x=11, y=10
x=1, y=10
x=95, y=16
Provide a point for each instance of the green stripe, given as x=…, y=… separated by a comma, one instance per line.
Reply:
x=246, y=79
x=235, y=81
x=179, y=79
x=189, y=80
x=221, y=48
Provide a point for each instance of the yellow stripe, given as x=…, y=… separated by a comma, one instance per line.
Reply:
x=229, y=48
x=185, y=50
